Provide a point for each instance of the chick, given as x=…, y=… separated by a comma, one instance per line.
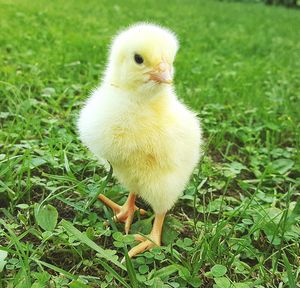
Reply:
x=135, y=121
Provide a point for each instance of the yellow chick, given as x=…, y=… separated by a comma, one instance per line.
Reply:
x=135, y=121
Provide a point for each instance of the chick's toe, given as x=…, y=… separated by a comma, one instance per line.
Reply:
x=123, y=213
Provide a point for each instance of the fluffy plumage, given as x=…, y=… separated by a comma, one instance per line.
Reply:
x=135, y=121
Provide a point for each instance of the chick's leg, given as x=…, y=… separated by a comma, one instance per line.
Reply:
x=154, y=237
x=123, y=213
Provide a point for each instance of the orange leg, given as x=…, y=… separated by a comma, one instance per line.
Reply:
x=155, y=237
x=123, y=213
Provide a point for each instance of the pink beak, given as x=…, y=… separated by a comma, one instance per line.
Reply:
x=162, y=74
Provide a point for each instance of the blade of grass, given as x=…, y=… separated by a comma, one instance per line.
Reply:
x=166, y=271
x=289, y=271
x=54, y=268
x=113, y=273
x=84, y=239
x=21, y=251
x=102, y=188
x=130, y=269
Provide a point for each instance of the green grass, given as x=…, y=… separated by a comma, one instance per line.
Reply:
x=237, y=224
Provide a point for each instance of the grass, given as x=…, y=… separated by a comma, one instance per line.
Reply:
x=237, y=224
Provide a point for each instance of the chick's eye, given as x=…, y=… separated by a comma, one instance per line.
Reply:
x=138, y=59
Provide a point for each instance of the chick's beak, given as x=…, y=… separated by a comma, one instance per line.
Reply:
x=162, y=73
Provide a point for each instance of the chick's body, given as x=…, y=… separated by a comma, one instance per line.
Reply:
x=135, y=121
x=153, y=145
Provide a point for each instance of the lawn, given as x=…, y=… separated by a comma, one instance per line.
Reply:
x=237, y=224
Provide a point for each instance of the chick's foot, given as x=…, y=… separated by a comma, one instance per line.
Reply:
x=152, y=240
x=146, y=244
x=123, y=213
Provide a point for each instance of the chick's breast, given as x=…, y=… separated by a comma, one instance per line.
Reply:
x=175, y=146
x=153, y=148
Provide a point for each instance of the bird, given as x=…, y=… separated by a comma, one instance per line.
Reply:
x=135, y=121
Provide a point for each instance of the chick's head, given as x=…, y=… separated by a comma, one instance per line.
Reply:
x=141, y=58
